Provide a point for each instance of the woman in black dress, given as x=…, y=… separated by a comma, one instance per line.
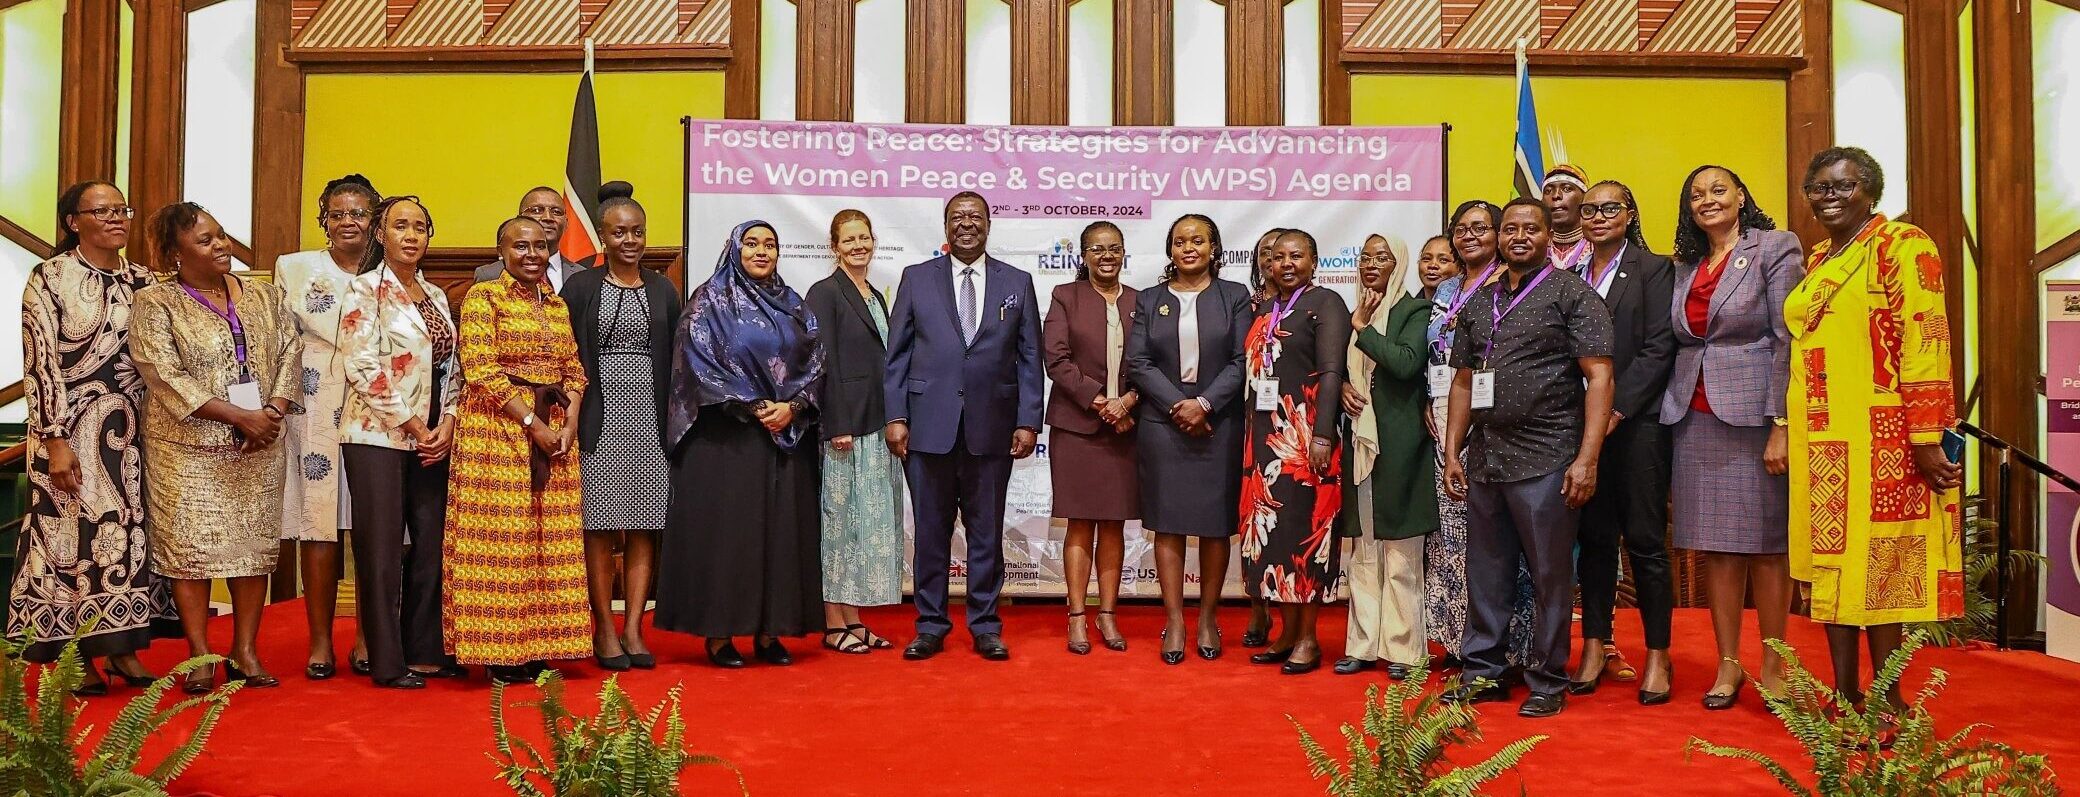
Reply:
x=1184, y=355
x=622, y=317
x=1291, y=468
x=741, y=549
x=1258, y=633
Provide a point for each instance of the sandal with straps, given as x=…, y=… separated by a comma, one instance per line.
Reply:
x=851, y=645
x=1075, y=623
x=1111, y=642
x=872, y=639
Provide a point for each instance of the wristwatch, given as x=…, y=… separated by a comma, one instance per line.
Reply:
x=1779, y=422
x=527, y=422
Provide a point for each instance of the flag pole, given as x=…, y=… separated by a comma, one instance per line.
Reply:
x=588, y=55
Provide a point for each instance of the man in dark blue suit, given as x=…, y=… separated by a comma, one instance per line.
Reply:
x=964, y=399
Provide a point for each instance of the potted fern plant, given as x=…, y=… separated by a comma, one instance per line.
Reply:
x=616, y=753
x=42, y=742
x=1876, y=752
x=1402, y=745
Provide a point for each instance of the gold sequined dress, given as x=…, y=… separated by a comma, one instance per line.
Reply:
x=212, y=511
x=513, y=563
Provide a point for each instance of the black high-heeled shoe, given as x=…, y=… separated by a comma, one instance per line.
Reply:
x=262, y=681
x=510, y=675
x=97, y=689
x=1211, y=652
x=1291, y=667
x=1118, y=643
x=1254, y=637
x=612, y=663
x=1079, y=648
x=135, y=681
x=360, y=666
x=1272, y=657
x=202, y=687
x=407, y=681
x=1171, y=657
x=725, y=655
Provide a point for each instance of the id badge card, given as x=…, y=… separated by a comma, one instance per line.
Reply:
x=1440, y=380
x=1483, y=390
x=1267, y=395
x=244, y=395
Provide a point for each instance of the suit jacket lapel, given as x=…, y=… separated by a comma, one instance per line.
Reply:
x=1732, y=274
x=994, y=294
x=857, y=302
x=1621, y=292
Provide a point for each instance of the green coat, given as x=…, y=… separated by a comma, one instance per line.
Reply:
x=1404, y=477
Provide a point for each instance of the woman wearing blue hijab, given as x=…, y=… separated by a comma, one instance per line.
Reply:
x=740, y=552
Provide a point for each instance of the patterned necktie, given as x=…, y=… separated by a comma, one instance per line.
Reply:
x=967, y=308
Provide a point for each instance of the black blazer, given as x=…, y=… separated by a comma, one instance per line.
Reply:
x=581, y=293
x=1643, y=345
x=849, y=400
x=1151, y=358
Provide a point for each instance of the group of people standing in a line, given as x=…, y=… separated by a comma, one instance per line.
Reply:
x=1477, y=439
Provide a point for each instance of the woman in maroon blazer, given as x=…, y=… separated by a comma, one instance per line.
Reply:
x=1091, y=409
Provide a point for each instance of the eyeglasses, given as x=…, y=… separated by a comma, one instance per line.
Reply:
x=334, y=216
x=1838, y=188
x=1611, y=209
x=110, y=213
x=1475, y=230
x=1380, y=258
x=538, y=211
x=1105, y=250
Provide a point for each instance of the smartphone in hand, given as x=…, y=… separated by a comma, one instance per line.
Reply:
x=1953, y=446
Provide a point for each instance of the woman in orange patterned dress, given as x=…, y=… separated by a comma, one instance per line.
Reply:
x=1874, y=524
x=513, y=569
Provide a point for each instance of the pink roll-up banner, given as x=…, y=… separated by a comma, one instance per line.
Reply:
x=1043, y=185
x=2062, y=439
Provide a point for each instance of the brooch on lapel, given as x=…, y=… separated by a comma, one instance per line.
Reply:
x=1163, y=310
x=1740, y=262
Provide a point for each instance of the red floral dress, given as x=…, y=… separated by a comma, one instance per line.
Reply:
x=1289, y=545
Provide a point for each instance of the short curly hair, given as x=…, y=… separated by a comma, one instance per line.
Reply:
x=1869, y=172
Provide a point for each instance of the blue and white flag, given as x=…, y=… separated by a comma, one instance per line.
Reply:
x=1530, y=162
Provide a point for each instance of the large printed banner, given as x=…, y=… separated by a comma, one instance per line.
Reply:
x=2062, y=431
x=1044, y=184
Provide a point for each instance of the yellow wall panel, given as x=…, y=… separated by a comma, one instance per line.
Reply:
x=30, y=59
x=470, y=144
x=1647, y=132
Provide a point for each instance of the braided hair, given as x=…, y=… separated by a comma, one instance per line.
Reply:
x=351, y=184
x=1083, y=271
x=1692, y=244
x=1633, y=235
x=373, y=257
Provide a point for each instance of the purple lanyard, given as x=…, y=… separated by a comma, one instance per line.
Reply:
x=1501, y=312
x=230, y=316
x=1458, y=303
x=1278, y=315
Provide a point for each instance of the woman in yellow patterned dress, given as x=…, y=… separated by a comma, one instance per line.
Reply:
x=513, y=565
x=1874, y=525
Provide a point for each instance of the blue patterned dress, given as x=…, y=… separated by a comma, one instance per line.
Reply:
x=862, y=516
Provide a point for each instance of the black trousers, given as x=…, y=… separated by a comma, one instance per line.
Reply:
x=1506, y=521
x=1631, y=504
x=397, y=589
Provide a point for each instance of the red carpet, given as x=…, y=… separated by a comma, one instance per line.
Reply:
x=1044, y=723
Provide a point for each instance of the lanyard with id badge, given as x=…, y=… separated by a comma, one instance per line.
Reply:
x=1267, y=387
x=1440, y=371
x=244, y=393
x=1484, y=379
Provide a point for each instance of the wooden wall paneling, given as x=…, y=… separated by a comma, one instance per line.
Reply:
x=935, y=88
x=1935, y=192
x=159, y=35
x=25, y=239
x=454, y=268
x=740, y=79
x=530, y=58
x=1143, y=62
x=823, y=59
x=1336, y=78
x=87, y=104
x=1809, y=115
x=2010, y=372
x=1714, y=65
x=277, y=139
x=1039, y=62
x=1256, y=62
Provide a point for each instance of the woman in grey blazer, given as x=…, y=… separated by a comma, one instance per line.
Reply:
x=1725, y=399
